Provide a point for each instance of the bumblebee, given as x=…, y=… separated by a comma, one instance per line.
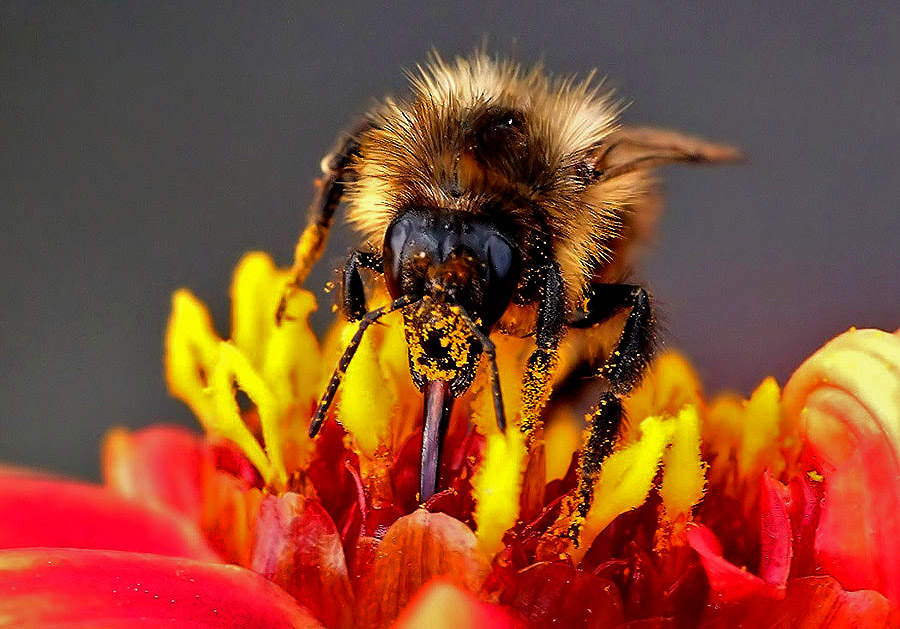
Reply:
x=496, y=199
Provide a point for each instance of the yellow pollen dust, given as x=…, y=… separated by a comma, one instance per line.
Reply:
x=437, y=318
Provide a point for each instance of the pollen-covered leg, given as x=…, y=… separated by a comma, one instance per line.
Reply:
x=602, y=430
x=353, y=293
x=311, y=244
x=542, y=362
x=623, y=370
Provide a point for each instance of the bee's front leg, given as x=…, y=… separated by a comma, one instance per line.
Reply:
x=543, y=360
x=353, y=293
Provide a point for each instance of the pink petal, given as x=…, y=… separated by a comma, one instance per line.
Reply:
x=160, y=465
x=557, y=594
x=298, y=547
x=67, y=587
x=442, y=605
x=42, y=511
x=820, y=602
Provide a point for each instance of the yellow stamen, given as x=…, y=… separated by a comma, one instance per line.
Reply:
x=625, y=481
x=234, y=368
x=684, y=471
x=192, y=349
x=496, y=487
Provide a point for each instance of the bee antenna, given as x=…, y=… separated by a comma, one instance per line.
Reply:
x=488, y=347
x=368, y=319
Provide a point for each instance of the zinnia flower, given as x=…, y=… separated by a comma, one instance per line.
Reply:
x=779, y=510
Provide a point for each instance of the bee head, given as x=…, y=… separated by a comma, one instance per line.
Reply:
x=463, y=267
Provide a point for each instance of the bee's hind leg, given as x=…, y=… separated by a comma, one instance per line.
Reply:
x=337, y=170
x=622, y=370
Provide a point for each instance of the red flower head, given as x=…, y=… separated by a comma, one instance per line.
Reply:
x=780, y=510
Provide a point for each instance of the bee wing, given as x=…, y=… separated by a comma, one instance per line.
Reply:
x=632, y=148
x=624, y=160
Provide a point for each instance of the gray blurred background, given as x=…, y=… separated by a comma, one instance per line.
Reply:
x=147, y=146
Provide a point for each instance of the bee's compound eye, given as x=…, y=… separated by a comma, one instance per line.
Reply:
x=395, y=241
x=500, y=258
x=503, y=276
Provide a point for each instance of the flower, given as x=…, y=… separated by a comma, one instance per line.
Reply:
x=779, y=510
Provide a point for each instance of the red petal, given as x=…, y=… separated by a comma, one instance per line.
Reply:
x=776, y=550
x=415, y=549
x=727, y=580
x=40, y=511
x=298, y=547
x=161, y=465
x=560, y=595
x=814, y=602
x=40, y=587
x=440, y=604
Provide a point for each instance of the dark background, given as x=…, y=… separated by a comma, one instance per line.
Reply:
x=147, y=146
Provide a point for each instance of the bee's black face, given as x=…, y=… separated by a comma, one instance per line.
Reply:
x=462, y=272
x=452, y=257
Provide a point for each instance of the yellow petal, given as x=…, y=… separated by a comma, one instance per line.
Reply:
x=192, y=349
x=625, y=480
x=496, y=488
x=670, y=385
x=561, y=440
x=684, y=471
x=255, y=293
x=722, y=431
x=366, y=404
x=761, y=427
x=512, y=354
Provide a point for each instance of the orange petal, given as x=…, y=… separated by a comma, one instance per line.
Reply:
x=160, y=466
x=298, y=547
x=442, y=605
x=415, y=549
x=845, y=399
x=40, y=511
x=68, y=587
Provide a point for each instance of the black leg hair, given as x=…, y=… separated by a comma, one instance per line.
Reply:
x=622, y=370
x=336, y=167
x=353, y=293
x=628, y=361
x=539, y=369
x=487, y=346
x=368, y=319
